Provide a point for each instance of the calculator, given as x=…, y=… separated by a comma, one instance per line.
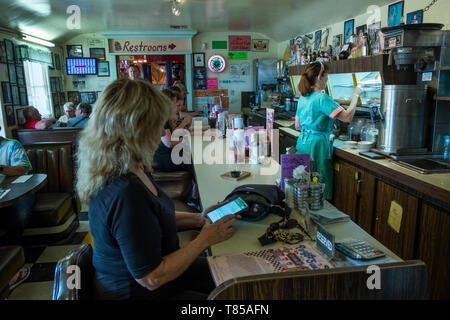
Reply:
x=359, y=249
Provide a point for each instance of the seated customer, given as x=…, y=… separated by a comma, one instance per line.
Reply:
x=82, y=114
x=69, y=113
x=133, y=222
x=33, y=119
x=14, y=162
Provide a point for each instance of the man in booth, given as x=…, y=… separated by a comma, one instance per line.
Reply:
x=82, y=113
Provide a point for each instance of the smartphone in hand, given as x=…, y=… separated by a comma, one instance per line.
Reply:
x=233, y=207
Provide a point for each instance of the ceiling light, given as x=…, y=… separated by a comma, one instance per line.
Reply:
x=176, y=9
x=37, y=40
x=180, y=1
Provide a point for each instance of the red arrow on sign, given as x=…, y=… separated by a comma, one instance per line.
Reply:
x=172, y=46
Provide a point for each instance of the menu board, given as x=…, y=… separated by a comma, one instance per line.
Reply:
x=239, y=43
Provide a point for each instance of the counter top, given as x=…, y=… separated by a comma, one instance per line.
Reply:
x=279, y=122
x=433, y=186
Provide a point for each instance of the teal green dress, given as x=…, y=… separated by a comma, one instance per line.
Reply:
x=317, y=114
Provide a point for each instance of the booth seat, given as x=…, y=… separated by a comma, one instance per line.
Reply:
x=54, y=214
x=12, y=258
x=174, y=184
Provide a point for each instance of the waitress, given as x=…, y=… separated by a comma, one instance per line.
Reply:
x=316, y=114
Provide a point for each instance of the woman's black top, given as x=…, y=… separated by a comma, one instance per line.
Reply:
x=132, y=231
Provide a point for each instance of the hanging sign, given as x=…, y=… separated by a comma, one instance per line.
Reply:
x=149, y=45
x=261, y=45
x=239, y=43
x=237, y=55
x=219, y=45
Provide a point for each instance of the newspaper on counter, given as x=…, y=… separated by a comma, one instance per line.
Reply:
x=301, y=256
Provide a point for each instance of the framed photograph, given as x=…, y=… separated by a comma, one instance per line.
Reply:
x=52, y=66
x=317, y=39
x=373, y=30
x=74, y=96
x=15, y=95
x=58, y=86
x=103, y=69
x=75, y=51
x=199, y=60
x=62, y=98
x=20, y=73
x=20, y=117
x=415, y=17
x=18, y=55
x=10, y=116
x=6, y=90
x=98, y=53
x=199, y=78
x=23, y=96
x=260, y=45
x=9, y=50
x=2, y=52
x=57, y=62
x=84, y=97
x=55, y=99
x=92, y=97
x=349, y=26
x=361, y=30
x=395, y=13
x=12, y=73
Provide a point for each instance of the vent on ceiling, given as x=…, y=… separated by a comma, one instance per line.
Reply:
x=178, y=27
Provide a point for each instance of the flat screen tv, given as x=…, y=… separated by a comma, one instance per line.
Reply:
x=77, y=66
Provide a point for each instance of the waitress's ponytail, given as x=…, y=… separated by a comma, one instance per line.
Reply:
x=309, y=78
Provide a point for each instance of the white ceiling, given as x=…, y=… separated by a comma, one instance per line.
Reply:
x=277, y=19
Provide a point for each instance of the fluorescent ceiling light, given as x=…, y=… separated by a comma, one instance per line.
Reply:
x=37, y=40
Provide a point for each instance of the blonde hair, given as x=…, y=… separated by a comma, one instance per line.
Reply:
x=124, y=128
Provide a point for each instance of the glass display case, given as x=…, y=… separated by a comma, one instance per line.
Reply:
x=341, y=86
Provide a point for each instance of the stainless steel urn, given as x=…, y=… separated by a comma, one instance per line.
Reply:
x=404, y=125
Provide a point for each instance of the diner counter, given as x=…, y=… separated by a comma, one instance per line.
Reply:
x=432, y=187
x=213, y=189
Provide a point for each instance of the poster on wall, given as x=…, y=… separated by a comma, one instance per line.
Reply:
x=260, y=45
x=238, y=55
x=239, y=43
x=199, y=78
x=212, y=84
x=238, y=70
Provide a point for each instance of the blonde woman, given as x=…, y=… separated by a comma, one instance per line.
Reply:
x=133, y=223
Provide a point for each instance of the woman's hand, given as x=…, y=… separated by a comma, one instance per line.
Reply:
x=221, y=230
x=357, y=92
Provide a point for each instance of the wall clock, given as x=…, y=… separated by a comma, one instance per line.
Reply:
x=216, y=63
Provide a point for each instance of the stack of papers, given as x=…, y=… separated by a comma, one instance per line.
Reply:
x=328, y=215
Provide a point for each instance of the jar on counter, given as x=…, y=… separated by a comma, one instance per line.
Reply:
x=287, y=104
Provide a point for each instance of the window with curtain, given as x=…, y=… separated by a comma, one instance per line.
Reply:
x=38, y=87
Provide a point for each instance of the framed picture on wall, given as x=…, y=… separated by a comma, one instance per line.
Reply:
x=98, y=53
x=2, y=52
x=74, y=96
x=199, y=60
x=373, y=30
x=75, y=51
x=52, y=66
x=395, y=13
x=9, y=50
x=84, y=97
x=361, y=30
x=62, y=98
x=349, y=26
x=23, y=96
x=57, y=62
x=317, y=39
x=15, y=95
x=18, y=55
x=10, y=116
x=415, y=17
x=103, y=69
x=55, y=99
x=6, y=90
x=12, y=73
x=20, y=117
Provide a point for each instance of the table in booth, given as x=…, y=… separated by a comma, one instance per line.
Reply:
x=15, y=188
